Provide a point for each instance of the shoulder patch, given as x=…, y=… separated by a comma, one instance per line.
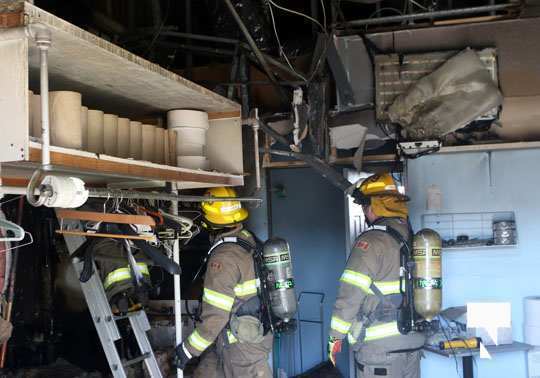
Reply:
x=215, y=266
x=362, y=244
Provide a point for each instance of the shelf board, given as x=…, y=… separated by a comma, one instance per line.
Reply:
x=110, y=78
x=481, y=247
x=104, y=170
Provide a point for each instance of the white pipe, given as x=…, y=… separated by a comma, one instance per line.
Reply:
x=177, y=288
x=44, y=92
x=256, y=152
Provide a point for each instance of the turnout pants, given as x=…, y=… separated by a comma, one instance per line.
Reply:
x=244, y=360
x=372, y=363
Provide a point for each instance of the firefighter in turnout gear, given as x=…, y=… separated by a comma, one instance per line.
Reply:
x=365, y=311
x=230, y=338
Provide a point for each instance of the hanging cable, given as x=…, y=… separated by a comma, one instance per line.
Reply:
x=324, y=14
x=298, y=14
x=281, y=51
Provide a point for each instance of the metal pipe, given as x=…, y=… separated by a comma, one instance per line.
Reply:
x=431, y=15
x=199, y=49
x=129, y=194
x=255, y=127
x=200, y=37
x=42, y=37
x=254, y=48
x=177, y=287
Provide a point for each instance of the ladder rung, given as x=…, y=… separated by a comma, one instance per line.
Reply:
x=136, y=360
x=132, y=313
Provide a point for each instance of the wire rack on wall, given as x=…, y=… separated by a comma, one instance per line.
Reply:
x=467, y=230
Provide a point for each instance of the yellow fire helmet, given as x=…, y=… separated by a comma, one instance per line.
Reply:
x=380, y=191
x=223, y=213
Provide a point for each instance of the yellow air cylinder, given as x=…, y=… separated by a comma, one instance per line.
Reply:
x=427, y=273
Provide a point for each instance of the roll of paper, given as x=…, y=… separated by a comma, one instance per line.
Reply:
x=110, y=133
x=187, y=118
x=532, y=335
x=135, y=140
x=84, y=127
x=65, y=119
x=189, y=136
x=95, y=131
x=123, y=138
x=36, y=115
x=159, y=146
x=194, y=162
x=148, y=141
x=531, y=316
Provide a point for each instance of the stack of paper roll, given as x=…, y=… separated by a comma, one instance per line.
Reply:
x=78, y=127
x=190, y=127
x=532, y=320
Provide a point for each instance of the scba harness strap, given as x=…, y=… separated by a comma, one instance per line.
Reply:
x=256, y=306
x=404, y=310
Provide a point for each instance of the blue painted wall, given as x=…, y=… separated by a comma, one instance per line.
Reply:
x=477, y=182
x=311, y=217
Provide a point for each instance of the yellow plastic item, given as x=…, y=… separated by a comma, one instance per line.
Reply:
x=471, y=343
x=223, y=213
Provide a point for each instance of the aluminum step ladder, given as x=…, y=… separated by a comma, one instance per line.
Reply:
x=105, y=321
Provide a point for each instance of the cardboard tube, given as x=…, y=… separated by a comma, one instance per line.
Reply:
x=95, y=131
x=110, y=134
x=123, y=138
x=159, y=146
x=135, y=140
x=65, y=119
x=148, y=142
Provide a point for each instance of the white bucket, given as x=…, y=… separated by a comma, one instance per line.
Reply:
x=148, y=141
x=122, y=147
x=159, y=146
x=193, y=162
x=187, y=118
x=189, y=135
x=135, y=140
x=65, y=119
x=95, y=131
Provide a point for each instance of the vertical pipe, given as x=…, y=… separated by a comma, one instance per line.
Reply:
x=256, y=154
x=189, y=55
x=44, y=92
x=315, y=14
x=177, y=288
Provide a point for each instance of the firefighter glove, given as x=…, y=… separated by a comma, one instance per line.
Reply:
x=334, y=347
x=181, y=357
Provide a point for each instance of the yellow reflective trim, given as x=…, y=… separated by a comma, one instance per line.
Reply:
x=351, y=339
x=246, y=288
x=218, y=300
x=198, y=342
x=387, y=287
x=340, y=325
x=357, y=279
x=381, y=331
x=123, y=274
x=230, y=337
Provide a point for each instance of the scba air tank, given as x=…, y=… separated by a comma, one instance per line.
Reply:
x=277, y=259
x=427, y=247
